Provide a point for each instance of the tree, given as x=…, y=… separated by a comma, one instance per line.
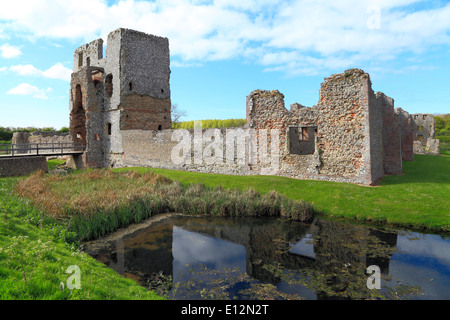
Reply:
x=176, y=113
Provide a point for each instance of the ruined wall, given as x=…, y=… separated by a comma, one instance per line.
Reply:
x=40, y=137
x=120, y=107
x=351, y=135
x=391, y=133
x=89, y=54
x=297, y=128
x=86, y=121
x=348, y=132
x=406, y=134
x=18, y=166
x=423, y=125
x=203, y=151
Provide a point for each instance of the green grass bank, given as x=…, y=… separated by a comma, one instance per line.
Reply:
x=35, y=252
x=34, y=258
x=419, y=198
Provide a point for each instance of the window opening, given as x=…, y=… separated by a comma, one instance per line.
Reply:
x=80, y=59
x=109, y=84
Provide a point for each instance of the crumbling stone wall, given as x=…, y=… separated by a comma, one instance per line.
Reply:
x=351, y=135
x=153, y=148
x=406, y=134
x=88, y=54
x=86, y=123
x=40, y=137
x=392, y=146
x=298, y=153
x=18, y=166
x=120, y=107
x=423, y=125
x=344, y=132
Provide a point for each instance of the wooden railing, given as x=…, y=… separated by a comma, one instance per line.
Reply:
x=56, y=148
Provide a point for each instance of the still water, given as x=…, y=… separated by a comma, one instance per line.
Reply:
x=268, y=258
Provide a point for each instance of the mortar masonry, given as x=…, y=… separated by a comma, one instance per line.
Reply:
x=120, y=108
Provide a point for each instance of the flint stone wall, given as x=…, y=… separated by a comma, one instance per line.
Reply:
x=18, y=166
x=392, y=146
x=423, y=126
x=406, y=134
x=432, y=147
x=86, y=115
x=351, y=135
x=345, y=126
x=204, y=151
x=128, y=89
x=40, y=137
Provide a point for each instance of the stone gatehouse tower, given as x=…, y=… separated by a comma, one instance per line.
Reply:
x=128, y=89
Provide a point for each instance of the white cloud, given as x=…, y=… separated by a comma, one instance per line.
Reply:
x=317, y=32
x=25, y=70
x=57, y=71
x=8, y=51
x=28, y=89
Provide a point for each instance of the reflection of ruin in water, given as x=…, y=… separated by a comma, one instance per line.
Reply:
x=337, y=253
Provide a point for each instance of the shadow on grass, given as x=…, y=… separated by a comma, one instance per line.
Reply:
x=424, y=169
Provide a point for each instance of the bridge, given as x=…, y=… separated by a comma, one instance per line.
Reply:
x=41, y=149
x=23, y=159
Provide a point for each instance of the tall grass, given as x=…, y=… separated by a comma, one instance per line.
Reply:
x=34, y=258
x=418, y=198
x=93, y=203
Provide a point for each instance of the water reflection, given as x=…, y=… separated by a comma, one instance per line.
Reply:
x=262, y=258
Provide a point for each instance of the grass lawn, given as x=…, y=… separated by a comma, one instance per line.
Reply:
x=34, y=253
x=34, y=259
x=52, y=164
x=418, y=198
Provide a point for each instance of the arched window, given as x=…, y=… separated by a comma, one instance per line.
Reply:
x=108, y=128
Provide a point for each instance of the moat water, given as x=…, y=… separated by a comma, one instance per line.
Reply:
x=267, y=258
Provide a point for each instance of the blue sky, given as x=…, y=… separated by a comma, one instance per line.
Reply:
x=222, y=50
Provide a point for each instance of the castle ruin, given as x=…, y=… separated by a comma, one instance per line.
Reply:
x=120, y=109
x=126, y=90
